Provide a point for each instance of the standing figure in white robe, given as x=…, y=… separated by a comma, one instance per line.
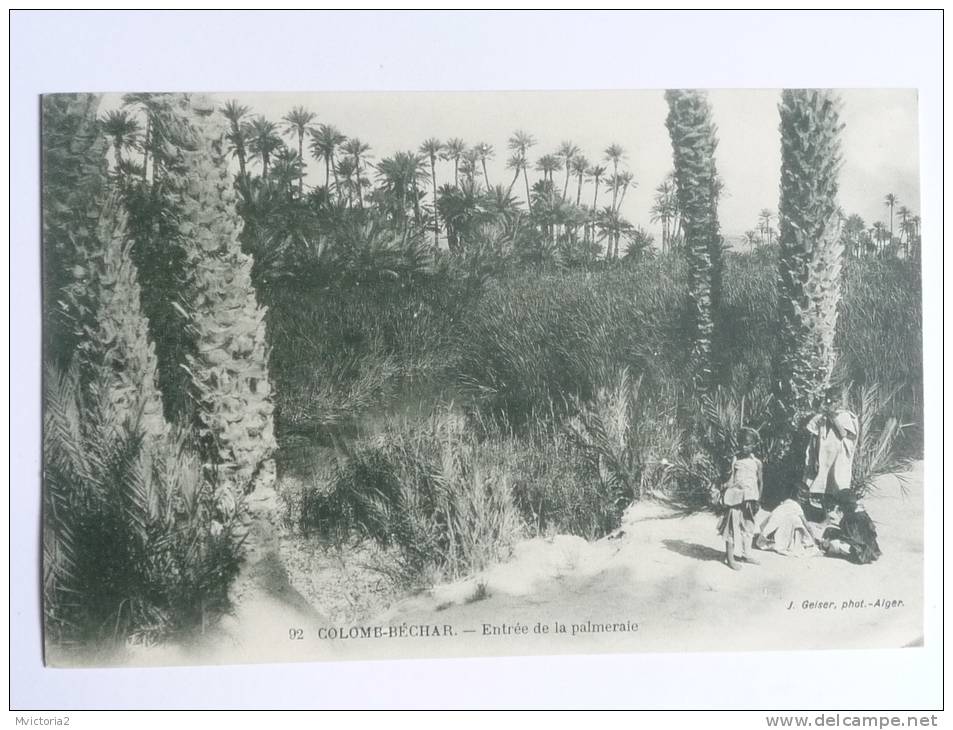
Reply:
x=830, y=454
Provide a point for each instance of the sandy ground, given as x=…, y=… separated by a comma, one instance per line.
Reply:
x=657, y=584
x=665, y=572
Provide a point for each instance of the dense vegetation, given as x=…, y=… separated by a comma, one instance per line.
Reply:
x=441, y=368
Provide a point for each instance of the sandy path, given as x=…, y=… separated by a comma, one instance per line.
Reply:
x=266, y=608
x=666, y=574
x=662, y=572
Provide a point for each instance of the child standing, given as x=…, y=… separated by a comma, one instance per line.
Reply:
x=742, y=499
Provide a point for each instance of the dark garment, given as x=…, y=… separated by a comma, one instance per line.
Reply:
x=857, y=530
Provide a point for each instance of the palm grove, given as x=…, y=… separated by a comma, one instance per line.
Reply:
x=210, y=309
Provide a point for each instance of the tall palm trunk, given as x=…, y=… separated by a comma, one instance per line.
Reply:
x=416, y=194
x=579, y=190
x=239, y=150
x=809, y=286
x=436, y=221
x=301, y=161
x=513, y=182
x=337, y=184
x=615, y=186
x=485, y=176
x=621, y=199
x=529, y=201
x=357, y=175
x=693, y=142
x=146, y=141
x=566, y=183
x=227, y=364
x=117, y=147
x=592, y=216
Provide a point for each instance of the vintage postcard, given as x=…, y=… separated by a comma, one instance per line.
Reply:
x=335, y=376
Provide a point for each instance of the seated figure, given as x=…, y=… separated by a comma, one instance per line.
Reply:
x=850, y=533
x=786, y=531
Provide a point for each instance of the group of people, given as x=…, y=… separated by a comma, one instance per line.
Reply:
x=841, y=527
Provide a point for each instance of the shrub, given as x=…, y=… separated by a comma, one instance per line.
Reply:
x=876, y=451
x=137, y=545
x=551, y=486
x=629, y=449
x=429, y=492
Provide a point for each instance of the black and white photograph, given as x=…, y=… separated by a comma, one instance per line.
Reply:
x=339, y=376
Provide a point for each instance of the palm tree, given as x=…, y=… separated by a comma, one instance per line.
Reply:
x=904, y=213
x=263, y=141
x=357, y=151
x=432, y=148
x=144, y=101
x=227, y=361
x=614, y=153
x=611, y=225
x=548, y=164
x=123, y=131
x=809, y=286
x=466, y=210
x=468, y=164
x=890, y=200
x=622, y=181
x=663, y=211
x=463, y=210
x=567, y=150
x=400, y=177
x=504, y=207
x=73, y=159
x=346, y=173
x=296, y=124
x=235, y=113
x=484, y=151
x=516, y=162
x=324, y=143
x=453, y=151
x=519, y=143
x=879, y=233
x=286, y=170
x=692, y=132
x=626, y=180
x=595, y=173
x=751, y=238
x=764, y=224
x=580, y=166
x=915, y=235
x=853, y=231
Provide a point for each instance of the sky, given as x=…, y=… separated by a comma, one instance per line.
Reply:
x=880, y=149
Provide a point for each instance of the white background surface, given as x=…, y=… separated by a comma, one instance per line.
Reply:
x=228, y=51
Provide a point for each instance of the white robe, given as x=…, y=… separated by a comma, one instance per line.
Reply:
x=784, y=530
x=835, y=455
